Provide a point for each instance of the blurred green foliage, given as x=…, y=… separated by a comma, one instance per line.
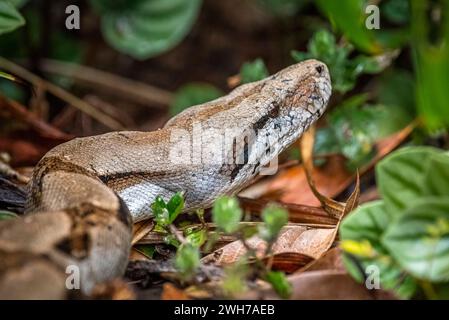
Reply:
x=343, y=69
x=146, y=28
x=227, y=214
x=407, y=232
x=253, y=71
x=193, y=93
x=6, y=215
x=10, y=18
x=187, y=260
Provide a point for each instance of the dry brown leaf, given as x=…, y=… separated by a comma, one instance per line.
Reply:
x=171, y=292
x=141, y=229
x=301, y=214
x=288, y=262
x=331, y=260
x=319, y=285
x=292, y=239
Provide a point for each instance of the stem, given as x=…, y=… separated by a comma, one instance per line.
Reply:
x=61, y=94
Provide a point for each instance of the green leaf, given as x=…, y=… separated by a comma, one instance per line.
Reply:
x=400, y=177
x=196, y=237
x=6, y=215
x=253, y=71
x=361, y=233
x=436, y=177
x=367, y=222
x=275, y=219
x=146, y=28
x=431, y=60
x=160, y=212
x=187, y=260
x=419, y=239
x=349, y=17
x=175, y=206
x=18, y=3
x=280, y=283
x=10, y=18
x=192, y=94
x=396, y=11
x=226, y=213
x=343, y=69
x=394, y=93
x=234, y=281
x=356, y=126
x=146, y=250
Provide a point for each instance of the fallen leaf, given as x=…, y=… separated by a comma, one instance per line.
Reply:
x=141, y=229
x=293, y=239
x=288, y=262
x=171, y=292
x=318, y=285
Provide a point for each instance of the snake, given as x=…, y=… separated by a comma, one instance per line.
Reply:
x=85, y=194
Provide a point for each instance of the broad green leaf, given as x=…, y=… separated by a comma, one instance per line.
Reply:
x=349, y=17
x=280, y=283
x=227, y=214
x=436, y=178
x=192, y=94
x=10, y=18
x=400, y=177
x=146, y=28
x=6, y=215
x=419, y=239
x=175, y=206
x=274, y=218
x=361, y=233
x=253, y=71
x=367, y=222
x=187, y=260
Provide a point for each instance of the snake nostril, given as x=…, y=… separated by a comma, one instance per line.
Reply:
x=319, y=69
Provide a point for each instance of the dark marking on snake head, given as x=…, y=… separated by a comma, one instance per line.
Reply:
x=272, y=114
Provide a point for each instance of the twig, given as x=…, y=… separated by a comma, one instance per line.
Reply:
x=139, y=92
x=19, y=111
x=60, y=93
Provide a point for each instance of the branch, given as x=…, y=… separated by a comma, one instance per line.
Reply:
x=60, y=93
x=134, y=90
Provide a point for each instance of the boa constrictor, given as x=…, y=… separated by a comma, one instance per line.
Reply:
x=85, y=194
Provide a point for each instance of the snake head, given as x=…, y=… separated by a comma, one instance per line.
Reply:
x=305, y=85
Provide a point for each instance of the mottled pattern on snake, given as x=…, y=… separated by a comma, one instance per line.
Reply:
x=85, y=193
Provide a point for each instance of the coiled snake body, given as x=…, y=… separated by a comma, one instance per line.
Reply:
x=85, y=194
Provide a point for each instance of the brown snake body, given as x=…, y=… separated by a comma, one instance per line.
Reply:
x=85, y=194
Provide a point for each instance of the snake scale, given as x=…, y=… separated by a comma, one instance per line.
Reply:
x=85, y=194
